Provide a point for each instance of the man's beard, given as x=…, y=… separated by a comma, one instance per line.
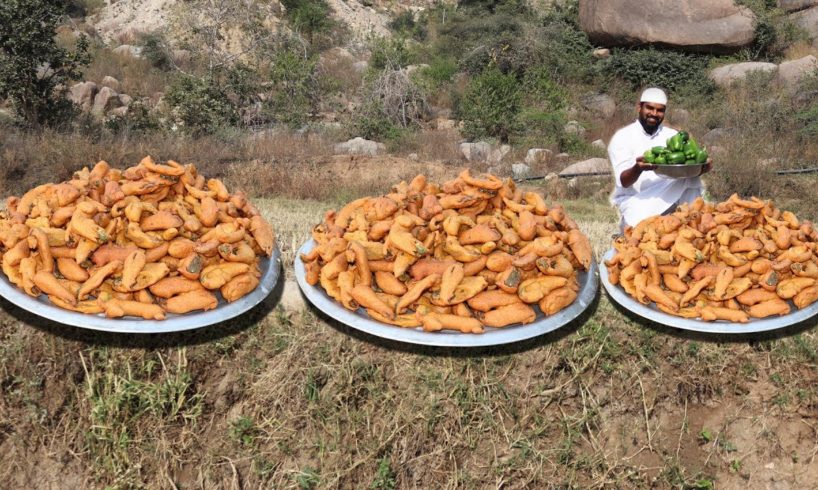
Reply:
x=649, y=127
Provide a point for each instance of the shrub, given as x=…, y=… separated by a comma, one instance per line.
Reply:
x=138, y=120
x=308, y=16
x=774, y=30
x=199, y=105
x=155, y=50
x=34, y=71
x=490, y=105
x=294, y=87
x=652, y=67
x=389, y=53
x=392, y=102
x=405, y=25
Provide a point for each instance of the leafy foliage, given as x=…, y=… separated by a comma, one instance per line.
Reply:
x=389, y=53
x=491, y=105
x=200, y=105
x=34, y=71
x=294, y=87
x=653, y=67
x=308, y=16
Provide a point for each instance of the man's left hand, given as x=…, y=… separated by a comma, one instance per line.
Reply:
x=708, y=166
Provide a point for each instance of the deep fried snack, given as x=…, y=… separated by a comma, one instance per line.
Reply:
x=126, y=220
x=433, y=322
x=433, y=248
x=198, y=299
x=115, y=308
x=731, y=261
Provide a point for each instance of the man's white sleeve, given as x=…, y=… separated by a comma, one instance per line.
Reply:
x=620, y=157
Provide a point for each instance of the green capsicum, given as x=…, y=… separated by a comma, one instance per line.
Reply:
x=658, y=150
x=675, y=143
x=684, y=136
x=676, y=158
x=660, y=160
x=701, y=156
x=648, y=156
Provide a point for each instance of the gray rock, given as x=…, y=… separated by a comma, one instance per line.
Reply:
x=602, y=105
x=716, y=135
x=360, y=146
x=790, y=73
x=561, y=158
x=128, y=50
x=724, y=76
x=796, y=5
x=715, y=26
x=443, y=123
x=598, y=144
x=125, y=99
x=807, y=20
x=574, y=127
x=111, y=83
x=119, y=111
x=592, y=165
x=83, y=94
x=520, y=171
x=499, y=154
x=601, y=53
x=679, y=117
x=475, y=152
x=105, y=100
x=535, y=157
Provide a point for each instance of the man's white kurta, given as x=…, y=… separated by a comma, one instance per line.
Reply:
x=652, y=193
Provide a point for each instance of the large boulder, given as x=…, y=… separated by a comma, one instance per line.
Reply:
x=83, y=94
x=590, y=166
x=790, y=73
x=725, y=75
x=602, y=105
x=796, y=5
x=106, y=99
x=475, y=152
x=360, y=146
x=110, y=82
x=807, y=20
x=712, y=26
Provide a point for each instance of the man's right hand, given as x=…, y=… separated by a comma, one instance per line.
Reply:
x=631, y=175
x=643, y=165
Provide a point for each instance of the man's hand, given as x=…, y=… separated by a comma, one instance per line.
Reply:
x=643, y=165
x=631, y=175
x=708, y=166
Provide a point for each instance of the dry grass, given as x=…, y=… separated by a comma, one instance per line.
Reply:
x=137, y=77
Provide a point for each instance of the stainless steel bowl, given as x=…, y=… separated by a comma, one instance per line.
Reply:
x=680, y=171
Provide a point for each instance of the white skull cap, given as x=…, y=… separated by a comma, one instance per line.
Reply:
x=654, y=95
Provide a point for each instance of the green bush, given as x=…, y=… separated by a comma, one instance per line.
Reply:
x=294, y=87
x=774, y=30
x=311, y=17
x=154, y=49
x=405, y=25
x=439, y=72
x=138, y=120
x=389, y=53
x=199, y=105
x=34, y=71
x=371, y=123
x=652, y=67
x=490, y=105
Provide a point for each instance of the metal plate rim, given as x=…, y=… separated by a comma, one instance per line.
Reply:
x=717, y=327
x=42, y=307
x=491, y=337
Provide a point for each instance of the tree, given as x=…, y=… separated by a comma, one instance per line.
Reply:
x=34, y=71
x=491, y=105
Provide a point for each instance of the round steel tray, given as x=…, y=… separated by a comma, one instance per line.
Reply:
x=680, y=171
x=172, y=323
x=492, y=336
x=652, y=313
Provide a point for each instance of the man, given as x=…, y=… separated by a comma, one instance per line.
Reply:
x=640, y=192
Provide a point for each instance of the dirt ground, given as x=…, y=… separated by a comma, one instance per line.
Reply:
x=284, y=397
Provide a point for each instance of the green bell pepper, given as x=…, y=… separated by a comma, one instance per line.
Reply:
x=701, y=156
x=660, y=160
x=690, y=147
x=676, y=158
x=658, y=150
x=675, y=143
x=685, y=137
x=648, y=156
x=690, y=161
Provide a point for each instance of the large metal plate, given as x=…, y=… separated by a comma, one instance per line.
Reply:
x=652, y=313
x=492, y=336
x=41, y=306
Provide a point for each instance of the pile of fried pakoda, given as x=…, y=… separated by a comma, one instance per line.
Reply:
x=470, y=253
x=732, y=261
x=145, y=241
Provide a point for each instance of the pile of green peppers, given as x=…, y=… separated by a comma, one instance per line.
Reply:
x=681, y=149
